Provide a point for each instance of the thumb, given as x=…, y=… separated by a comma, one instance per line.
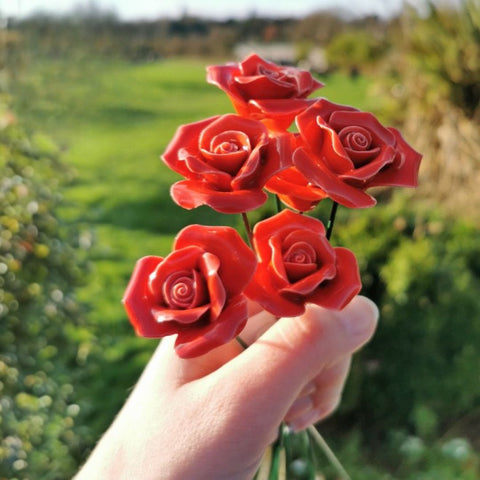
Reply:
x=270, y=374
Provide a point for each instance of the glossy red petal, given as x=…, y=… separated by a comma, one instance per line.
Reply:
x=191, y=194
x=281, y=225
x=138, y=302
x=324, y=108
x=196, y=341
x=210, y=265
x=262, y=291
x=186, y=139
x=261, y=86
x=337, y=293
x=323, y=142
x=294, y=190
x=187, y=258
x=278, y=113
x=237, y=261
x=184, y=317
x=337, y=190
x=404, y=170
x=381, y=135
x=306, y=286
x=367, y=172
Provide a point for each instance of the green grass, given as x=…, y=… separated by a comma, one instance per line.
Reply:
x=114, y=119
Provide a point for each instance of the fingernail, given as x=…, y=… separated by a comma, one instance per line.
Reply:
x=359, y=317
x=299, y=406
x=309, y=388
x=304, y=421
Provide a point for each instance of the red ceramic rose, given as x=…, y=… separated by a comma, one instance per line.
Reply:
x=297, y=265
x=293, y=189
x=226, y=161
x=345, y=151
x=195, y=292
x=263, y=89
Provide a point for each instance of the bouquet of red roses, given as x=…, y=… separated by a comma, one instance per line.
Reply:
x=232, y=163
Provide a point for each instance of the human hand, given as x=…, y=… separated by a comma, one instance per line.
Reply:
x=213, y=416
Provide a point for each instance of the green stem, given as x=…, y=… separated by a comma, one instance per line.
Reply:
x=247, y=228
x=331, y=220
x=278, y=203
x=320, y=441
x=241, y=342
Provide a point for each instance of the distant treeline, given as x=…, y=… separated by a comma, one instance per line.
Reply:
x=104, y=34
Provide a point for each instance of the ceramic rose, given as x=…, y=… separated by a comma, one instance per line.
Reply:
x=346, y=151
x=297, y=265
x=226, y=161
x=263, y=89
x=195, y=292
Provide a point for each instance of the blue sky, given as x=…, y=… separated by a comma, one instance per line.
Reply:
x=150, y=9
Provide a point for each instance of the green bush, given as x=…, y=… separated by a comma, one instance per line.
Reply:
x=420, y=372
x=41, y=336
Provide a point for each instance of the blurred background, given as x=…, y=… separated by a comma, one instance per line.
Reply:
x=90, y=95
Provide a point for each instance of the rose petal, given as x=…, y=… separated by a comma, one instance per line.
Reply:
x=237, y=260
x=337, y=293
x=198, y=340
x=210, y=265
x=185, y=317
x=199, y=169
x=337, y=190
x=306, y=286
x=262, y=291
x=381, y=135
x=176, y=261
x=191, y=194
x=185, y=140
x=403, y=172
x=297, y=271
x=367, y=172
x=282, y=224
x=294, y=190
x=138, y=301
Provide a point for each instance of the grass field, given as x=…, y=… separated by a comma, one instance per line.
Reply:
x=114, y=119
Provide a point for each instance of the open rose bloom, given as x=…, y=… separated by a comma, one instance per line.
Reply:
x=345, y=151
x=298, y=265
x=232, y=163
x=195, y=292
x=226, y=161
x=264, y=90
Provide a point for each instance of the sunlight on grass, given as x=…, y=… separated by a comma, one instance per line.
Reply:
x=114, y=120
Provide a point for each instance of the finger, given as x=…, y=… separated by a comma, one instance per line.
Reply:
x=256, y=326
x=167, y=370
x=271, y=373
x=323, y=399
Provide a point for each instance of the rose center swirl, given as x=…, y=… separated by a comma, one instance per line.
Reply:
x=230, y=142
x=180, y=290
x=355, y=138
x=300, y=253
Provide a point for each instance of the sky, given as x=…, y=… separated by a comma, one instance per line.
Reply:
x=152, y=9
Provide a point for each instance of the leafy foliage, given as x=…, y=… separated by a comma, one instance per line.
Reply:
x=40, y=330
x=419, y=374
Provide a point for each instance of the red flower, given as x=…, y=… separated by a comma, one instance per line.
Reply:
x=263, y=89
x=195, y=292
x=298, y=265
x=346, y=151
x=295, y=190
x=226, y=160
